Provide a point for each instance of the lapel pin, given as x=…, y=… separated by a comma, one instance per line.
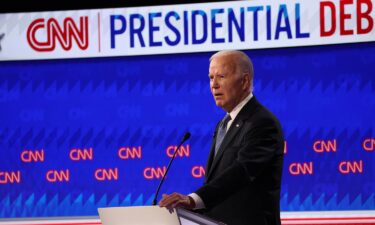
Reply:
x=237, y=125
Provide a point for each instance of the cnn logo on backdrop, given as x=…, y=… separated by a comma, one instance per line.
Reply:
x=44, y=34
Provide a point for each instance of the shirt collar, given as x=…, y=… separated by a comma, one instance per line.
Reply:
x=233, y=114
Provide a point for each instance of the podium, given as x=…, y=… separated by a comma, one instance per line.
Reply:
x=152, y=215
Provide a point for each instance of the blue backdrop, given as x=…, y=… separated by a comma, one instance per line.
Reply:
x=318, y=93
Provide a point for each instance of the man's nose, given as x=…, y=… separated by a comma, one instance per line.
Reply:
x=215, y=84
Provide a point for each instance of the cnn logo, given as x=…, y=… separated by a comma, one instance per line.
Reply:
x=42, y=34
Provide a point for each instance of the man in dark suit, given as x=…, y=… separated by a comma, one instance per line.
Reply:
x=243, y=172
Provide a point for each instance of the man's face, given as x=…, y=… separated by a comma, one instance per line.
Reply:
x=227, y=85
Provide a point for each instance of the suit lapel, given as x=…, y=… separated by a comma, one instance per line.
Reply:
x=212, y=152
x=210, y=159
x=236, y=126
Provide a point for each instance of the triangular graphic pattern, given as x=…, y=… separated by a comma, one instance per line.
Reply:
x=321, y=93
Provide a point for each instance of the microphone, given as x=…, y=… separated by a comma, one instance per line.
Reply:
x=186, y=136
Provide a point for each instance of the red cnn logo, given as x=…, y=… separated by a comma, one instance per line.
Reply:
x=301, y=168
x=346, y=167
x=106, y=174
x=54, y=176
x=198, y=171
x=183, y=151
x=154, y=173
x=77, y=154
x=10, y=177
x=369, y=144
x=28, y=156
x=64, y=35
x=130, y=152
x=321, y=146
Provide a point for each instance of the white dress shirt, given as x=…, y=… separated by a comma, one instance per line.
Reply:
x=199, y=204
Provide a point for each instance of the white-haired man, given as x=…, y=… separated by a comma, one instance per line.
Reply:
x=243, y=171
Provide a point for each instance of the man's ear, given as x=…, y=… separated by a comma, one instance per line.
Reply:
x=246, y=81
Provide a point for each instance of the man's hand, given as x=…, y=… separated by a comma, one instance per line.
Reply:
x=177, y=200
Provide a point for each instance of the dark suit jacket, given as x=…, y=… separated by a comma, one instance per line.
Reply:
x=242, y=184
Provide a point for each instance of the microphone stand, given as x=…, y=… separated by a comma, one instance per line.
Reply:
x=186, y=136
